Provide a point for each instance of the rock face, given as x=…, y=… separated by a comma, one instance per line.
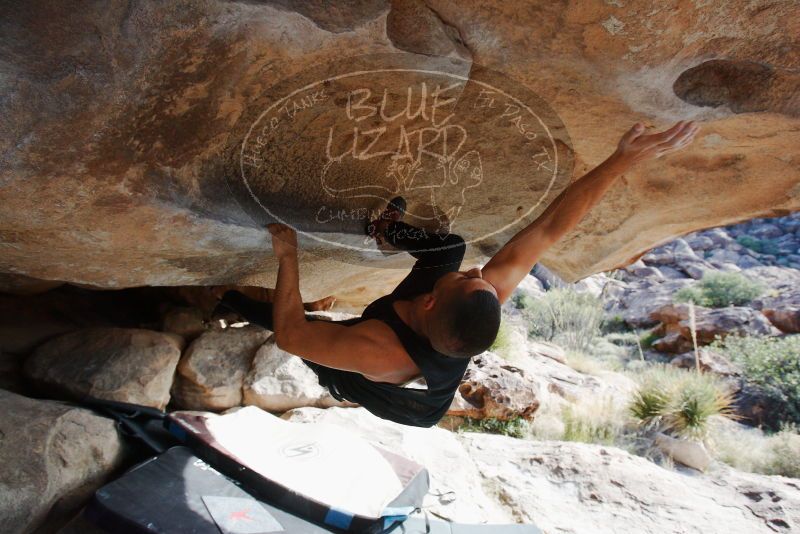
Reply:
x=184, y=321
x=710, y=323
x=710, y=362
x=53, y=457
x=121, y=364
x=573, y=487
x=123, y=128
x=279, y=381
x=212, y=370
x=492, y=388
x=576, y=488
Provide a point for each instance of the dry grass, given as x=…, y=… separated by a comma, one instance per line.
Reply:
x=749, y=449
x=590, y=420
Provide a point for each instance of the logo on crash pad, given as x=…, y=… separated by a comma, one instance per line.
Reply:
x=470, y=150
x=304, y=450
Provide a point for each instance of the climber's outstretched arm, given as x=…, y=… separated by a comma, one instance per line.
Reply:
x=517, y=257
x=361, y=348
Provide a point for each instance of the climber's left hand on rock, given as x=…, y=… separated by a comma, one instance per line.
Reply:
x=635, y=146
x=284, y=240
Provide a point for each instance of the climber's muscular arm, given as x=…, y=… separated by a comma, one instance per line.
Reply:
x=517, y=257
x=369, y=348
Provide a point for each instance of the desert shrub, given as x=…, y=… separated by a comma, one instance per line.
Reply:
x=515, y=427
x=771, y=371
x=648, y=338
x=717, y=290
x=785, y=457
x=502, y=343
x=593, y=422
x=584, y=363
x=565, y=316
x=588, y=420
x=614, y=324
x=763, y=246
x=521, y=300
x=679, y=402
x=749, y=449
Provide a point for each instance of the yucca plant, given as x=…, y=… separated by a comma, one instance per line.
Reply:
x=697, y=398
x=680, y=402
x=650, y=401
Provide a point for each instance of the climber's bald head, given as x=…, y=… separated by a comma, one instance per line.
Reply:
x=464, y=314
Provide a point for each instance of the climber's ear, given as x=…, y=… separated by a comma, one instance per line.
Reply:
x=428, y=301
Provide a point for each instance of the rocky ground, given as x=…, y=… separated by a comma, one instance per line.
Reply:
x=140, y=347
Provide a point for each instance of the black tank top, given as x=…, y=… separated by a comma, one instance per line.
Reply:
x=442, y=373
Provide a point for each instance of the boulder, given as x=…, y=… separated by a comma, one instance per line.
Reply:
x=699, y=242
x=19, y=284
x=688, y=452
x=648, y=272
x=123, y=178
x=673, y=342
x=787, y=320
x=748, y=262
x=456, y=492
x=279, y=381
x=721, y=322
x=779, y=279
x=492, y=388
x=696, y=269
x=213, y=368
x=574, y=488
x=52, y=458
x=121, y=364
x=710, y=362
x=546, y=349
x=724, y=255
x=185, y=321
x=11, y=372
x=557, y=384
x=710, y=324
x=593, y=285
x=766, y=231
x=682, y=252
x=719, y=238
x=671, y=273
x=782, y=308
x=636, y=303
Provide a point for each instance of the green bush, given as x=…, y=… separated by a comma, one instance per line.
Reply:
x=515, y=427
x=771, y=369
x=718, y=290
x=502, y=343
x=647, y=339
x=763, y=246
x=565, y=316
x=679, y=402
x=614, y=324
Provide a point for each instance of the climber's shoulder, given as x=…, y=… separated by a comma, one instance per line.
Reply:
x=384, y=351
